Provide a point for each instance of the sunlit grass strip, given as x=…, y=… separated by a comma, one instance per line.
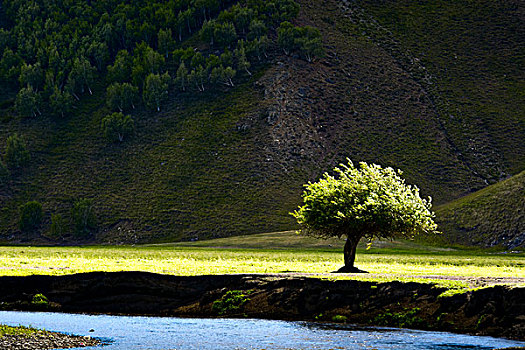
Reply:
x=187, y=261
x=19, y=331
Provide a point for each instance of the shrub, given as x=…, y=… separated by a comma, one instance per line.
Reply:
x=30, y=216
x=156, y=90
x=339, y=319
x=121, y=96
x=4, y=173
x=27, y=102
x=58, y=225
x=16, y=154
x=39, y=300
x=305, y=39
x=405, y=319
x=230, y=302
x=83, y=217
x=116, y=126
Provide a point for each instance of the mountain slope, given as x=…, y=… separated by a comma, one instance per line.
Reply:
x=361, y=102
x=472, y=54
x=234, y=161
x=493, y=216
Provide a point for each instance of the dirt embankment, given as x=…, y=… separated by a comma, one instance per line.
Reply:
x=497, y=311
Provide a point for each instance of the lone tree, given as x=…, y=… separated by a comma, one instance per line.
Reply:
x=369, y=201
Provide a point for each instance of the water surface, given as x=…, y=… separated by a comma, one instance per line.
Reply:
x=155, y=333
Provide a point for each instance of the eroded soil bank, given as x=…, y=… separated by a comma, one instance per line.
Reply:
x=497, y=311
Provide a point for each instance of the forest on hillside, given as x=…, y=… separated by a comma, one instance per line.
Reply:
x=54, y=51
x=53, y=54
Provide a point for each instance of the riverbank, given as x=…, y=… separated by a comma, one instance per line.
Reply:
x=24, y=338
x=495, y=311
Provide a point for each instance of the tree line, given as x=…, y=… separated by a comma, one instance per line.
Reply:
x=80, y=223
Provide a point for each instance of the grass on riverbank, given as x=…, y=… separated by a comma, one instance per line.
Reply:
x=268, y=253
x=18, y=331
x=21, y=337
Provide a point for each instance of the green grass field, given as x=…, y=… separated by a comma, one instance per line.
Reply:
x=272, y=253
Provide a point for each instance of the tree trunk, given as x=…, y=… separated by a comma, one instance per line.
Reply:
x=349, y=252
x=349, y=255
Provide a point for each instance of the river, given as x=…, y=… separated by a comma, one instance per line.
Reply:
x=155, y=333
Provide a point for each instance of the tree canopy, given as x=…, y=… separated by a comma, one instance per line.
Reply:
x=366, y=202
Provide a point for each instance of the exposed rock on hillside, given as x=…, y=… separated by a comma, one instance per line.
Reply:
x=364, y=102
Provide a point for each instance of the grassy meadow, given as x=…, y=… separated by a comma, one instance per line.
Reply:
x=270, y=253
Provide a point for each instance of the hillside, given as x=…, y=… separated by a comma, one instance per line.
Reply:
x=233, y=160
x=471, y=57
x=493, y=216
